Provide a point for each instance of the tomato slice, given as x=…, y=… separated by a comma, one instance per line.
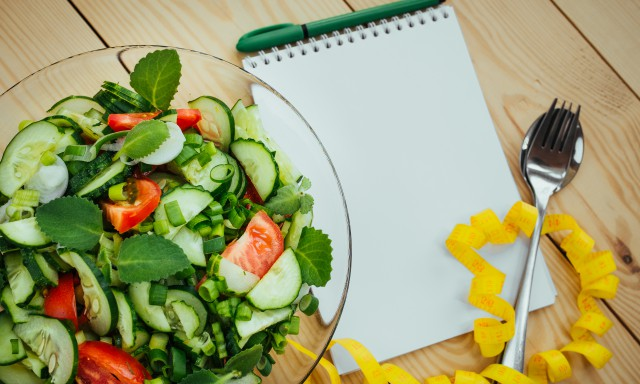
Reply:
x=188, y=117
x=125, y=215
x=258, y=247
x=100, y=356
x=252, y=193
x=60, y=302
x=126, y=121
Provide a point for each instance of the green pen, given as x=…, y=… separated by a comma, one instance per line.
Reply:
x=280, y=34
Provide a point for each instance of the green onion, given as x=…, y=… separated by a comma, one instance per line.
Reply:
x=193, y=223
x=174, y=214
x=26, y=198
x=161, y=227
x=179, y=364
x=243, y=311
x=23, y=124
x=255, y=339
x=207, y=345
x=279, y=343
x=117, y=192
x=15, y=346
x=309, y=304
x=223, y=308
x=203, y=158
x=208, y=291
x=193, y=140
x=218, y=337
x=157, y=380
x=210, y=148
x=221, y=284
x=236, y=218
x=216, y=219
x=74, y=151
x=48, y=158
x=294, y=325
x=158, y=359
x=264, y=366
x=158, y=294
x=146, y=225
x=213, y=209
x=218, y=230
x=221, y=172
x=214, y=245
x=185, y=155
x=212, y=264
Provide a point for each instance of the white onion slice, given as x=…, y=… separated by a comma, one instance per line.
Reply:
x=50, y=180
x=168, y=150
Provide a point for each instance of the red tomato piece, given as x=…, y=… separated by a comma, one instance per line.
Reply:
x=126, y=121
x=89, y=372
x=97, y=355
x=60, y=302
x=125, y=215
x=188, y=117
x=258, y=247
x=252, y=193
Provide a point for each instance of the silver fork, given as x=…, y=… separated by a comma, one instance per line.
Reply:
x=546, y=166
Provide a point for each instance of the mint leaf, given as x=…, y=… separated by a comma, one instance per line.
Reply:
x=150, y=258
x=306, y=203
x=73, y=222
x=305, y=184
x=244, y=361
x=145, y=138
x=286, y=201
x=156, y=77
x=203, y=377
x=314, y=256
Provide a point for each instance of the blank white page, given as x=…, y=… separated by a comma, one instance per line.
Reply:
x=403, y=119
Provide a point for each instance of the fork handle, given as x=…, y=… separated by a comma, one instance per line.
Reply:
x=513, y=355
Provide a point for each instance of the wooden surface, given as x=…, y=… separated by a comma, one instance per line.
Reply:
x=524, y=52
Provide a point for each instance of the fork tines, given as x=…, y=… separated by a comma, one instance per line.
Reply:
x=562, y=120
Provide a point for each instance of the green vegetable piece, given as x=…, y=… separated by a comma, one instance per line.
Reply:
x=150, y=258
x=156, y=77
x=145, y=138
x=203, y=377
x=291, y=198
x=314, y=256
x=73, y=222
x=244, y=361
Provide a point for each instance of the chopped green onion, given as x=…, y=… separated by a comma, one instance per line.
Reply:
x=214, y=245
x=218, y=337
x=15, y=346
x=216, y=219
x=213, y=209
x=203, y=158
x=178, y=364
x=294, y=325
x=174, y=214
x=117, y=192
x=48, y=158
x=204, y=229
x=255, y=339
x=309, y=304
x=158, y=359
x=279, y=343
x=264, y=366
x=161, y=227
x=218, y=230
x=158, y=294
x=236, y=218
x=208, y=290
x=193, y=223
x=157, y=380
x=222, y=173
x=159, y=341
x=23, y=124
x=223, y=308
x=212, y=264
x=210, y=148
x=221, y=284
x=193, y=140
x=146, y=225
x=243, y=311
x=26, y=198
x=71, y=152
x=186, y=155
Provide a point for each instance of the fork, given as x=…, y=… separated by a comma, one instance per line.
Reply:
x=546, y=164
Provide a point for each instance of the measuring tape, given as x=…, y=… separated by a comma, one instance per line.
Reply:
x=597, y=281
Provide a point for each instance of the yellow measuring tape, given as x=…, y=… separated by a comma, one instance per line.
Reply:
x=597, y=281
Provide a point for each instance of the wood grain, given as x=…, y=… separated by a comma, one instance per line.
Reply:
x=34, y=34
x=610, y=27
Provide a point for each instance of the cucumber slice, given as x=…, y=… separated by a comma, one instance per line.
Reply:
x=7, y=357
x=191, y=200
x=217, y=122
x=299, y=220
x=261, y=320
x=280, y=286
x=101, y=306
x=20, y=280
x=54, y=343
x=126, y=319
x=259, y=165
x=40, y=270
x=186, y=316
x=21, y=159
x=18, y=315
x=18, y=374
x=238, y=182
x=199, y=175
x=239, y=281
x=114, y=174
x=191, y=244
x=25, y=232
x=71, y=137
x=128, y=95
x=152, y=315
x=76, y=104
x=189, y=298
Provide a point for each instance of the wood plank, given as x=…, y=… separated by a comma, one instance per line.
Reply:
x=214, y=26
x=34, y=34
x=613, y=28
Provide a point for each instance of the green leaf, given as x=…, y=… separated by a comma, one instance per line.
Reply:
x=314, y=256
x=156, y=77
x=204, y=377
x=150, y=258
x=145, y=138
x=305, y=184
x=244, y=361
x=306, y=203
x=73, y=222
x=286, y=201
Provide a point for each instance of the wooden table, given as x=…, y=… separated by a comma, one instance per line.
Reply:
x=524, y=52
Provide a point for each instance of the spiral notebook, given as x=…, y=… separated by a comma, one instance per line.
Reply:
x=401, y=114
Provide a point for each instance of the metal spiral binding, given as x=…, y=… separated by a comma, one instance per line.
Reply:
x=348, y=35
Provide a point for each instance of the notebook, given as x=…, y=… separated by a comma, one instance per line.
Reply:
x=401, y=114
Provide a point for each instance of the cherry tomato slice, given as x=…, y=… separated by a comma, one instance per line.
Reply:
x=115, y=361
x=60, y=302
x=125, y=215
x=126, y=121
x=188, y=117
x=258, y=247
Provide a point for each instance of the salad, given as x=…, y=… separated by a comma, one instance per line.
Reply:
x=146, y=243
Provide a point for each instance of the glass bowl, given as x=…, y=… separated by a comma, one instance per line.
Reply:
x=204, y=74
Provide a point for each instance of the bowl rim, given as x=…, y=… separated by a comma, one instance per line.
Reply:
x=122, y=48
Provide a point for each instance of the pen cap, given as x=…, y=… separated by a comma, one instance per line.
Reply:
x=270, y=36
